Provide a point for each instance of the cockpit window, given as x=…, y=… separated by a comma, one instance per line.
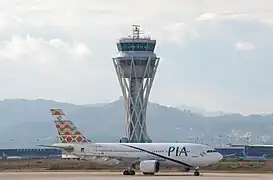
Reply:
x=211, y=151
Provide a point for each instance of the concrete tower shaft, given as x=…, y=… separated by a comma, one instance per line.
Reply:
x=136, y=65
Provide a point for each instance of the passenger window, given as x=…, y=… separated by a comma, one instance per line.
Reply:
x=82, y=149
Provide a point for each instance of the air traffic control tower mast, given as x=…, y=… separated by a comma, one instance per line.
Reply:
x=136, y=65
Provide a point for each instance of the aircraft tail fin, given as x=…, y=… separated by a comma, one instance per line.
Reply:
x=67, y=131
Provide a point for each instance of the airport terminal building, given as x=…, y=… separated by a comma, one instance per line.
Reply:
x=248, y=151
x=39, y=153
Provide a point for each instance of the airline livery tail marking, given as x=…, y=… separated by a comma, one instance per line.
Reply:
x=67, y=131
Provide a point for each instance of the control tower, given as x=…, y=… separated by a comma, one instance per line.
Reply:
x=136, y=65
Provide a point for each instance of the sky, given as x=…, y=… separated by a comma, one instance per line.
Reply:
x=214, y=54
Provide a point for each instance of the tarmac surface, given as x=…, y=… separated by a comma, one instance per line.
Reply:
x=116, y=176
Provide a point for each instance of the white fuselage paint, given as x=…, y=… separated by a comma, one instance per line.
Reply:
x=197, y=155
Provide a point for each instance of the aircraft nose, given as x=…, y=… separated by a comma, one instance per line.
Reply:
x=219, y=157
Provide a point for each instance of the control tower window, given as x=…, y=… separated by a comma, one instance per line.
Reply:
x=137, y=46
x=119, y=47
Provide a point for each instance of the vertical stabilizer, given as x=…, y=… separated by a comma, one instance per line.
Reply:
x=67, y=131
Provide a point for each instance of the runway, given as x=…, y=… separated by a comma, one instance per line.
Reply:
x=116, y=176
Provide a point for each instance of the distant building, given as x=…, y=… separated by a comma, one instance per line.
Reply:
x=30, y=153
x=234, y=152
x=249, y=151
x=259, y=150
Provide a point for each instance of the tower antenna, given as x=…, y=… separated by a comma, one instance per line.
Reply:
x=136, y=31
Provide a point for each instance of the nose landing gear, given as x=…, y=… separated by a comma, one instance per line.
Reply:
x=196, y=173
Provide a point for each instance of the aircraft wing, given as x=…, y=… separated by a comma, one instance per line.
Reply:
x=106, y=158
x=91, y=156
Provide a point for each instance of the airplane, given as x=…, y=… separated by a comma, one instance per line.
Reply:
x=233, y=155
x=253, y=158
x=69, y=156
x=5, y=156
x=147, y=157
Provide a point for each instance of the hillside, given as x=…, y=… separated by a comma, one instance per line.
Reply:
x=25, y=123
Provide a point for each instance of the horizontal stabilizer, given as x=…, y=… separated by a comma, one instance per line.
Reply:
x=66, y=148
x=57, y=112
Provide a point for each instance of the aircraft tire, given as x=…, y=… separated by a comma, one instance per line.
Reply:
x=145, y=173
x=127, y=172
x=196, y=173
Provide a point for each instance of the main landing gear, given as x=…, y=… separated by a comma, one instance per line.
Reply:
x=196, y=172
x=130, y=171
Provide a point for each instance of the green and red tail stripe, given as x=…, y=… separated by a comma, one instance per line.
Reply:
x=67, y=131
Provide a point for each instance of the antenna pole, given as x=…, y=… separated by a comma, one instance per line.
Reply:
x=136, y=31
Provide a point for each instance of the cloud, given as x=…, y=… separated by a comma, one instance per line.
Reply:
x=19, y=47
x=206, y=16
x=62, y=50
x=265, y=17
x=52, y=69
x=221, y=16
x=180, y=33
x=244, y=46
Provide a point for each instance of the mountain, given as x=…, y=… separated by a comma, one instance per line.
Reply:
x=25, y=123
x=202, y=111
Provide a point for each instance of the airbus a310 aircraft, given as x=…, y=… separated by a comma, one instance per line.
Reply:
x=148, y=157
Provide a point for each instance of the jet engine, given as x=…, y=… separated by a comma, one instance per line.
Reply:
x=149, y=166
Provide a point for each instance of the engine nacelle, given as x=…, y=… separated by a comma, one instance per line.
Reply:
x=149, y=166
